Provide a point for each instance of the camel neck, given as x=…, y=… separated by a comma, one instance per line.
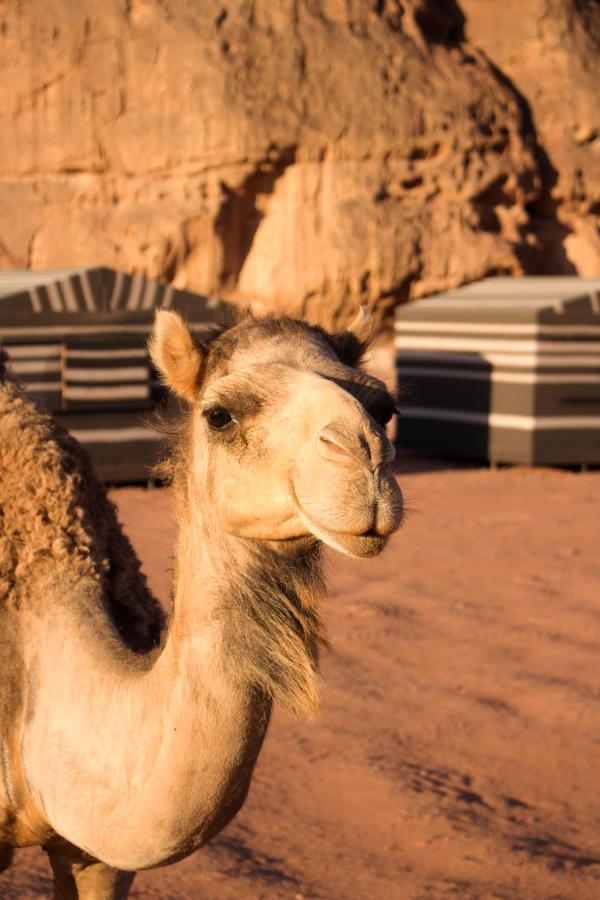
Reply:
x=258, y=603
x=170, y=748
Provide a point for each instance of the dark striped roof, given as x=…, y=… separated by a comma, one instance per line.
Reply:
x=76, y=341
x=56, y=292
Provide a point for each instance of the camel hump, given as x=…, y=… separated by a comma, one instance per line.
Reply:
x=56, y=521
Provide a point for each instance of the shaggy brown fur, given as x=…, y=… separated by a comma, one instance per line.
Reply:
x=54, y=515
x=273, y=629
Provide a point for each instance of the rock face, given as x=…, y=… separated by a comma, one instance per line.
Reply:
x=551, y=58
x=301, y=155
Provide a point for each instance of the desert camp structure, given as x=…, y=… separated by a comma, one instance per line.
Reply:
x=505, y=370
x=76, y=340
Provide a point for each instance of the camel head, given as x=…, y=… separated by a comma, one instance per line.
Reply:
x=286, y=439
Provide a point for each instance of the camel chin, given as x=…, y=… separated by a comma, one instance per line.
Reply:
x=360, y=546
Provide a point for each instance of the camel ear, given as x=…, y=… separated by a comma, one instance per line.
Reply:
x=175, y=354
x=362, y=326
x=351, y=345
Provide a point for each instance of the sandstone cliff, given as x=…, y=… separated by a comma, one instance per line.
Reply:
x=301, y=154
x=550, y=57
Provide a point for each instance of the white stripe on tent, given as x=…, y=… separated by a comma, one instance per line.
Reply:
x=69, y=295
x=87, y=292
x=68, y=301
x=117, y=288
x=20, y=280
x=90, y=330
x=148, y=295
x=522, y=302
x=133, y=392
x=113, y=435
x=133, y=298
x=36, y=303
x=476, y=345
x=43, y=351
x=530, y=329
x=515, y=361
x=535, y=285
x=43, y=387
x=499, y=377
x=122, y=373
x=54, y=297
x=76, y=353
x=502, y=420
x=35, y=367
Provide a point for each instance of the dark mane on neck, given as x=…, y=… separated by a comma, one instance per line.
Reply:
x=273, y=630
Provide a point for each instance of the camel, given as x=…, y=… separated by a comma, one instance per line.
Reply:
x=128, y=741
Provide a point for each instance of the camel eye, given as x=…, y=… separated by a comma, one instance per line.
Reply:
x=218, y=417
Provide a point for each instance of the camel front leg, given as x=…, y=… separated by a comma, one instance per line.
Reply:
x=77, y=878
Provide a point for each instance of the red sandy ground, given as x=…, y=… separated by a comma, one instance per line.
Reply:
x=457, y=750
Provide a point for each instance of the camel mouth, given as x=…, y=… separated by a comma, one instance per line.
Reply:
x=362, y=545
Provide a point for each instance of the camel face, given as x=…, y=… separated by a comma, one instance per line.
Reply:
x=287, y=441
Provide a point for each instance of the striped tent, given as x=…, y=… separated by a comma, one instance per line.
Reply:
x=76, y=340
x=505, y=369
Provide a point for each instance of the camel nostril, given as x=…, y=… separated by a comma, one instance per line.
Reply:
x=354, y=445
x=333, y=445
x=350, y=448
